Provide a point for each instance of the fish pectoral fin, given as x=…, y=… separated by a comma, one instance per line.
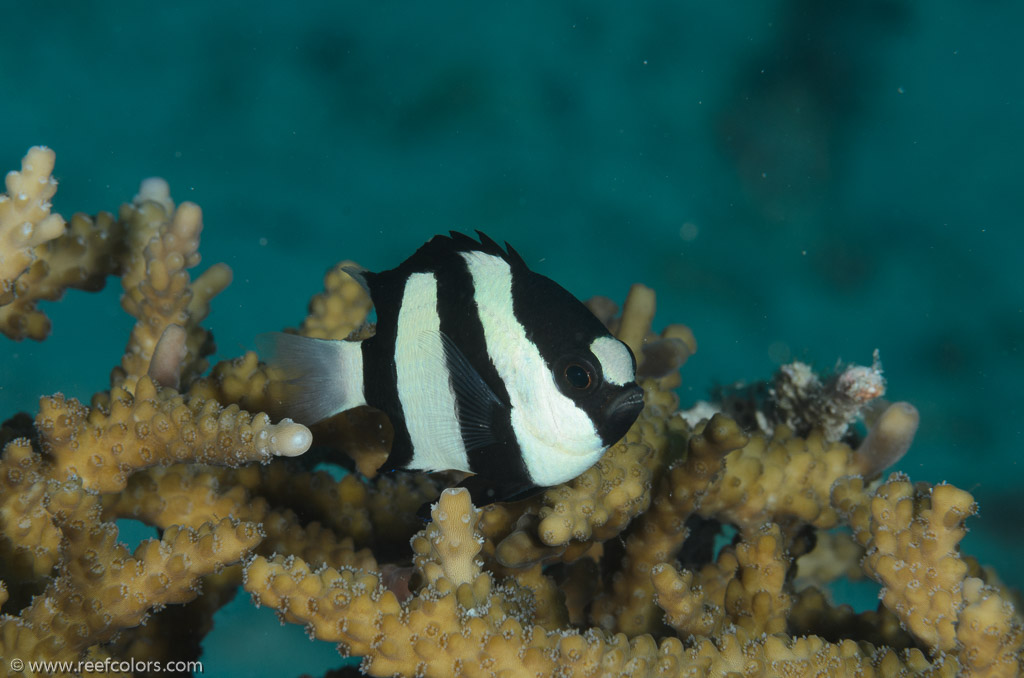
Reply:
x=476, y=401
x=311, y=379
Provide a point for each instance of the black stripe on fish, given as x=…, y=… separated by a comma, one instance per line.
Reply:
x=534, y=298
x=491, y=445
x=561, y=406
x=380, y=382
x=546, y=330
x=480, y=394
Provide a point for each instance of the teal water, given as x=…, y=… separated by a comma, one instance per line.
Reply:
x=796, y=179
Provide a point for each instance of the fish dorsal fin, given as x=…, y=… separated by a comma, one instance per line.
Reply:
x=360, y=275
x=476, y=401
x=488, y=245
x=441, y=248
x=514, y=257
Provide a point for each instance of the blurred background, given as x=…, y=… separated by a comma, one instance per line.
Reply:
x=796, y=179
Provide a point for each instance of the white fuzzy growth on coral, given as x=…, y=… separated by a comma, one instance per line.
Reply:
x=156, y=190
x=803, y=402
x=862, y=384
x=700, y=411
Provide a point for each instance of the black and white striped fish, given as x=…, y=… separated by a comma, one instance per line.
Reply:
x=481, y=365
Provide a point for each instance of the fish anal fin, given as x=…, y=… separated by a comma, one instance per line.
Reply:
x=364, y=434
x=485, y=490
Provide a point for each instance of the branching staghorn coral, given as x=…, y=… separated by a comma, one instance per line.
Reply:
x=613, y=573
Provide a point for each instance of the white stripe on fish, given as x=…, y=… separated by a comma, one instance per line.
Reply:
x=558, y=440
x=424, y=387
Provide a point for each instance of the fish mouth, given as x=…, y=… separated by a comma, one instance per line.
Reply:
x=621, y=412
x=632, y=399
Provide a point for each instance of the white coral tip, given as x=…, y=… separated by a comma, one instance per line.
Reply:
x=291, y=439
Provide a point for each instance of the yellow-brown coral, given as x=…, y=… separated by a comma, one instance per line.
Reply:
x=25, y=218
x=615, y=573
x=912, y=535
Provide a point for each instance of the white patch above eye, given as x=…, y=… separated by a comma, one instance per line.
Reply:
x=616, y=363
x=557, y=439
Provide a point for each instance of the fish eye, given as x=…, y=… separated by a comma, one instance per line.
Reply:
x=578, y=376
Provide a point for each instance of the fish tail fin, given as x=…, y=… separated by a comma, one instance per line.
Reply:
x=312, y=379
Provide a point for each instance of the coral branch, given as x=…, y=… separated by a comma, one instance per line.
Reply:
x=81, y=258
x=157, y=426
x=450, y=540
x=912, y=535
x=25, y=218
